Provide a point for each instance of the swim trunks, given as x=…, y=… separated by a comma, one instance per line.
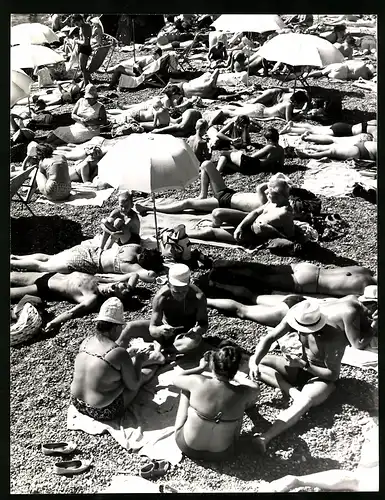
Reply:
x=341, y=129
x=308, y=287
x=224, y=197
x=249, y=165
x=84, y=259
x=304, y=377
x=292, y=300
x=364, y=126
x=57, y=191
x=364, y=153
x=42, y=286
x=110, y=412
x=213, y=456
x=85, y=49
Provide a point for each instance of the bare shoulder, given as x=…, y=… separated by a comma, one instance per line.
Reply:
x=161, y=294
x=197, y=291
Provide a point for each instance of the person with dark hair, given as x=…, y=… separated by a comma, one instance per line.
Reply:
x=217, y=55
x=183, y=126
x=83, y=45
x=60, y=95
x=270, y=156
x=337, y=35
x=198, y=143
x=235, y=133
x=53, y=179
x=179, y=315
x=106, y=377
x=87, y=169
x=211, y=406
x=336, y=130
x=276, y=95
x=88, y=258
x=346, y=47
x=83, y=289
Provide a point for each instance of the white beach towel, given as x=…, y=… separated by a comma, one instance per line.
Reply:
x=82, y=194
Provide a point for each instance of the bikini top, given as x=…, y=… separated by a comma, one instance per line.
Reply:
x=100, y=356
x=216, y=418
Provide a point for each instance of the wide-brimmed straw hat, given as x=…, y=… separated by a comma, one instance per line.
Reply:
x=370, y=294
x=306, y=317
x=111, y=311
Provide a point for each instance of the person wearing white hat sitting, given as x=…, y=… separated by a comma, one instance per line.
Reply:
x=106, y=378
x=179, y=315
x=309, y=379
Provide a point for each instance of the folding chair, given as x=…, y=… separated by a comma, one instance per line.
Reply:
x=300, y=77
x=25, y=179
x=183, y=57
x=100, y=55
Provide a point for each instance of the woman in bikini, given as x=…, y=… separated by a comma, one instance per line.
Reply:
x=83, y=45
x=106, y=378
x=212, y=406
x=338, y=129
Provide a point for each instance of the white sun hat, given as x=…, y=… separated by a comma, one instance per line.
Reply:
x=179, y=275
x=306, y=317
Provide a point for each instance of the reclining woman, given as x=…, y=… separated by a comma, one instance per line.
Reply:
x=284, y=110
x=88, y=258
x=363, y=150
x=211, y=406
x=338, y=129
x=89, y=115
x=349, y=70
x=153, y=116
x=106, y=377
x=53, y=178
x=86, y=170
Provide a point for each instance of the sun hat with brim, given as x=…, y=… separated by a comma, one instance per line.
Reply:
x=306, y=317
x=179, y=275
x=112, y=311
x=370, y=294
x=90, y=92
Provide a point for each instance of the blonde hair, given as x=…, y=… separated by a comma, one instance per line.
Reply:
x=279, y=186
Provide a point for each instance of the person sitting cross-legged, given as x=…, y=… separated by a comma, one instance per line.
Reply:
x=310, y=378
x=106, y=378
x=211, y=406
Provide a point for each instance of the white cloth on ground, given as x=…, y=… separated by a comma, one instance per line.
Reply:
x=82, y=193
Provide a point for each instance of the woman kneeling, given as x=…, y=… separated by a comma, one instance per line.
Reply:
x=211, y=407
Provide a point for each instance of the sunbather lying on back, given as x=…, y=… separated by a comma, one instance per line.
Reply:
x=303, y=278
x=88, y=258
x=348, y=70
x=83, y=289
x=183, y=126
x=340, y=141
x=363, y=151
x=337, y=129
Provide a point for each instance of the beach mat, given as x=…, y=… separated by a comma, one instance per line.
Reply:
x=82, y=194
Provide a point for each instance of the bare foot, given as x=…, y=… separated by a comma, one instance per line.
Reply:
x=282, y=484
x=300, y=153
x=260, y=444
x=305, y=135
x=201, y=197
x=287, y=128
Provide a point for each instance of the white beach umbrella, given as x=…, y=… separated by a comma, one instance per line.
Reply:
x=150, y=163
x=258, y=23
x=30, y=56
x=34, y=33
x=20, y=85
x=301, y=50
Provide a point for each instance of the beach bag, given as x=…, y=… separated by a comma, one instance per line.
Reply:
x=175, y=245
x=304, y=232
x=126, y=129
x=27, y=326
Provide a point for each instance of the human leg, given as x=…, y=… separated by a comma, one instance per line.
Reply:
x=83, y=59
x=333, y=480
x=212, y=234
x=265, y=315
x=41, y=181
x=227, y=216
x=229, y=159
x=200, y=205
x=212, y=175
x=317, y=138
x=18, y=293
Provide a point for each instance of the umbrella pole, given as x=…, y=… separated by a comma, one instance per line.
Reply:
x=133, y=34
x=29, y=106
x=156, y=222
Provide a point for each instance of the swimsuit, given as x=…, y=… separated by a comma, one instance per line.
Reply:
x=57, y=191
x=308, y=287
x=293, y=300
x=249, y=165
x=42, y=286
x=85, y=49
x=118, y=261
x=85, y=259
x=364, y=153
x=110, y=412
x=341, y=129
x=205, y=454
x=224, y=197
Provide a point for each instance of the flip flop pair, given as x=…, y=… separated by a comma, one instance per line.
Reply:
x=154, y=469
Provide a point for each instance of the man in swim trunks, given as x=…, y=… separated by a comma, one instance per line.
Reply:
x=205, y=86
x=337, y=129
x=183, y=126
x=83, y=289
x=179, y=315
x=366, y=150
x=270, y=156
x=309, y=378
x=303, y=278
x=88, y=258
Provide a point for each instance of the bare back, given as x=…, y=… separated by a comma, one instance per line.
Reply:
x=247, y=202
x=73, y=287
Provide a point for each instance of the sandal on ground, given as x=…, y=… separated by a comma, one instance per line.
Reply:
x=154, y=469
x=58, y=448
x=71, y=467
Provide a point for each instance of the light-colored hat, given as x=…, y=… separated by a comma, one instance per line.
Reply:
x=179, y=275
x=112, y=311
x=370, y=294
x=90, y=91
x=306, y=317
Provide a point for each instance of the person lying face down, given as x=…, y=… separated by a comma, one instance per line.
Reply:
x=88, y=258
x=83, y=289
x=211, y=407
x=106, y=377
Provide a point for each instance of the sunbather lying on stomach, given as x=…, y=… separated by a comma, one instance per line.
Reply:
x=336, y=130
x=155, y=115
x=88, y=258
x=349, y=70
x=83, y=289
x=363, y=151
x=302, y=278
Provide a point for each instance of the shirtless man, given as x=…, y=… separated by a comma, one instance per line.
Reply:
x=364, y=150
x=198, y=142
x=88, y=258
x=183, y=126
x=83, y=289
x=179, y=315
x=205, y=86
x=303, y=278
x=309, y=379
x=336, y=130
x=350, y=314
x=270, y=156
x=340, y=141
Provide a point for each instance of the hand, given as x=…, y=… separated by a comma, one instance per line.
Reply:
x=295, y=362
x=238, y=234
x=203, y=363
x=254, y=371
x=144, y=351
x=167, y=331
x=51, y=327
